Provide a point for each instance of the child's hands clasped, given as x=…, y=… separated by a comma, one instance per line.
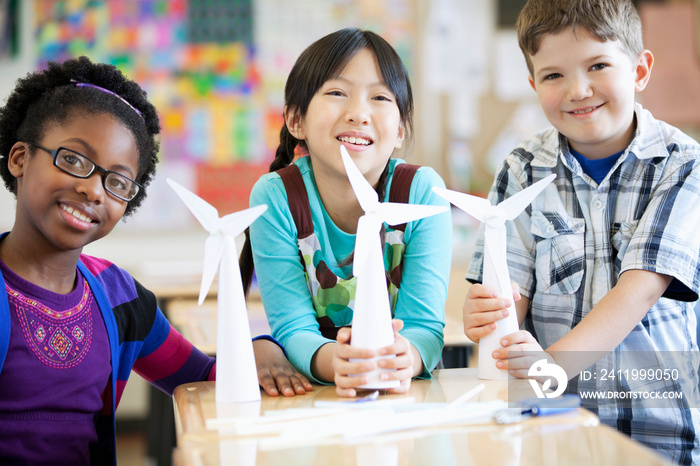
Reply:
x=345, y=379
x=275, y=373
x=483, y=308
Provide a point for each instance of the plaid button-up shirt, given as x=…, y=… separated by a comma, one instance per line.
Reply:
x=568, y=249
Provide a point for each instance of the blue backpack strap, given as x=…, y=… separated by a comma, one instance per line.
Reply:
x=4, y=323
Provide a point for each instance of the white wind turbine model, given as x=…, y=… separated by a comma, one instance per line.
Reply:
x=371, y=322
x=495, y=263
x=236, y=374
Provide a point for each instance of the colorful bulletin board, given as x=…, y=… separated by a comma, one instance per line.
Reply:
x=215, y=69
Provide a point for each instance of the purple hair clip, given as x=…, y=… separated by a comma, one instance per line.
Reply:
x=107, y=91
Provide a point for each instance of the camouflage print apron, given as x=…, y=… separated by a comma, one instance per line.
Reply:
x=334, y=297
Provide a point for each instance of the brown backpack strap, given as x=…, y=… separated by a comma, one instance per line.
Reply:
x=401, y=186
x=298, y=199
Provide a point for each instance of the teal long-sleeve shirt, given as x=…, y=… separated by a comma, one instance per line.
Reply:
x=283, y=287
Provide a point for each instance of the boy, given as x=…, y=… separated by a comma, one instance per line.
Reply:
x=607, y=256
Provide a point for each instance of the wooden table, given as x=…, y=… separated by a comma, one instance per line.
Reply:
x=573, y=438
x=177, y=297
x=198, y=325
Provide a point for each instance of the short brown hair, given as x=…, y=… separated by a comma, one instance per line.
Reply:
x=603, y=19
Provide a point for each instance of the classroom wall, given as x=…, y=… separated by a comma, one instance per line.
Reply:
x=10, y=71
x=459, y=112
x=473, y=102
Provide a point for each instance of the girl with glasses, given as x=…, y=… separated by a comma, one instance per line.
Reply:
x=78, y=148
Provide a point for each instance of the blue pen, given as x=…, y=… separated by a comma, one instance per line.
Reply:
x=537, y=407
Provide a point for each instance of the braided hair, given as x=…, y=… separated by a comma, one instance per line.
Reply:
x=323, y=60
x=51, y=96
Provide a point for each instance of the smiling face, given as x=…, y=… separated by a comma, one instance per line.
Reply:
x=355, y=109
x=586, y=88
x=57, y=209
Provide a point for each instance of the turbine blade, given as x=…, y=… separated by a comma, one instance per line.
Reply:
x=234, y=224
x=205, y=213
x=396, y=213
x=515, y=204
x=475, y=206
x=365, y=193
x=213, y=249
x=366, y=240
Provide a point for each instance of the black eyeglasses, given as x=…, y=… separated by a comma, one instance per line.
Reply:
x=78, y=165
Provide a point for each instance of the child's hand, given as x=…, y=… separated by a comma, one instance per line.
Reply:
x=511, y=357
x=346, y=384
x=483, y=308
x=275, y=373
x=403, y=362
